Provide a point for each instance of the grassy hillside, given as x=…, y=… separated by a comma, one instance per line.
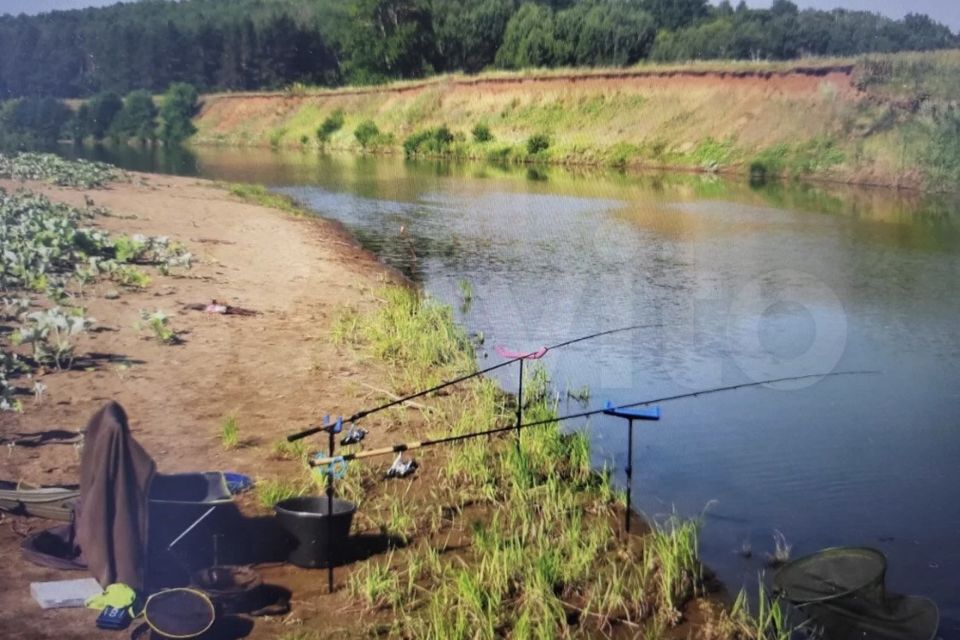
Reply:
x=890, y=120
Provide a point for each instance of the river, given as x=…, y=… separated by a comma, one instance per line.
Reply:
x=748, y=282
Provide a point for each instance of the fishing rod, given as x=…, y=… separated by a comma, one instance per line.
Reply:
x=420, y=444
x=538, y=354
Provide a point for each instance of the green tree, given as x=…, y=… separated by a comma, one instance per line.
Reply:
x=30, y=123
x=103, y=108
x=176, y=113
x=390, y=39
x=674, y=14
x=137, y=119
x=604, y=32
x=468, y=33
x=529, y=39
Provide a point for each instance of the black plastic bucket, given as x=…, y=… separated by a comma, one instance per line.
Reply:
x=305, y=519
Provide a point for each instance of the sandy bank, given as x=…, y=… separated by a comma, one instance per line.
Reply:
x=276, y=371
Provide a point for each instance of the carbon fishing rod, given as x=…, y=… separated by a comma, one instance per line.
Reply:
x=538, y=353
x=420, y=444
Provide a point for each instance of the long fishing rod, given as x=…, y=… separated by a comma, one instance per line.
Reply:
x=538, y=353
x=419, y=444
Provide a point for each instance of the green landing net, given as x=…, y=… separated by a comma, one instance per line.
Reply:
x=842, y=590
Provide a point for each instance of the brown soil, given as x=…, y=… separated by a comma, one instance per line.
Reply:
x=276, y=371
x=794, y=80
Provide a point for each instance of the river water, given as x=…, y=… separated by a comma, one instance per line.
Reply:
x=748, y=283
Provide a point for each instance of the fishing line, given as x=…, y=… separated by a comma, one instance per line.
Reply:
x=362, y=414
x=409, y=446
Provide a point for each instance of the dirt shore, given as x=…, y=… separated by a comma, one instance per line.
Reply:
x=276, y=372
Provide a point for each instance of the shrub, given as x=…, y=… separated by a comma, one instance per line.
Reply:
x=366, y=133
x=537, y=142
x=481, y=133
x=429, y=142
x=330, y=125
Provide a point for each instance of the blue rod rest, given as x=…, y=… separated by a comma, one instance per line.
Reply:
x=336, y=427
x=635, y=413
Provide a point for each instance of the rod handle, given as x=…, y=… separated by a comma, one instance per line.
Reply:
x=304, y=434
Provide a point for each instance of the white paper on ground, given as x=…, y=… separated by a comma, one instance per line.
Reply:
x=61, y=594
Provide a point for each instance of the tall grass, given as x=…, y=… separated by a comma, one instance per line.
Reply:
x=546, y=559
x=270, y=491
x=258, y=194
x=230, y=432
x=414, y=333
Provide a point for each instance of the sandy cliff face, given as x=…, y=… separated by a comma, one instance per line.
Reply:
x=826, y=121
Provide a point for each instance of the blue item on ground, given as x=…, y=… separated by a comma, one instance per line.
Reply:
x=237, y=482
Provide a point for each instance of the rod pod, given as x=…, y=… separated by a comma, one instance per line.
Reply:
x=643, y=413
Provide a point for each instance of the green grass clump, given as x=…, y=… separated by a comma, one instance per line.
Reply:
x=814, y=156
x=276, y=137
x=230, y=432
x=429, y=142
x=330, y=125
x=538, y=143
x=770, y=622
x=270, y=491
x=942, y=156
x=414, y=333
x=158, y=325
x=283, y=450
x=130, y=276
x=377, y=584
x=367, y=133
x=128, y=249
x=481, y=133
x=259, y=194
x=713, y=154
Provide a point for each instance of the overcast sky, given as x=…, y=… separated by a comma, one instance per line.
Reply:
x=946, y=11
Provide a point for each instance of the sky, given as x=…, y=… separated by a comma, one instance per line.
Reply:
x=945, y=11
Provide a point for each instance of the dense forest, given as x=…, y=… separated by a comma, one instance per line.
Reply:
x=255, y=44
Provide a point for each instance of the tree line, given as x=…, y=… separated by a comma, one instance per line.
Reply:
x=266, y=44
x=36, y=123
